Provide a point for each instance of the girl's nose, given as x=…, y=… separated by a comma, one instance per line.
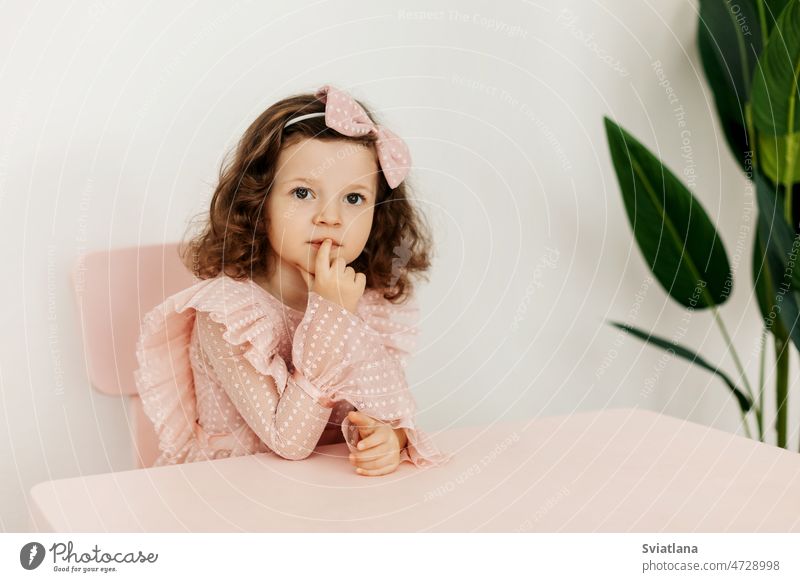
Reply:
x=328, y=215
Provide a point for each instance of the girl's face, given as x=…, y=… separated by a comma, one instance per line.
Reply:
x=322, y=189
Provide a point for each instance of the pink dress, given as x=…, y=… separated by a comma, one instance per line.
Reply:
x=226, y=369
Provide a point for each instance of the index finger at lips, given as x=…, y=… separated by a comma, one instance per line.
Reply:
x=323, y=257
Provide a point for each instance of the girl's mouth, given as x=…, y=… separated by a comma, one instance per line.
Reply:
x=316, y=245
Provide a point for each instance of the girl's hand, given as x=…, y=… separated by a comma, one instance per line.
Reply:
x=335, y=281
x=379, y=447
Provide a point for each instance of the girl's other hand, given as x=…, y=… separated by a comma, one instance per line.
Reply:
x=379, y=447
x=335, y=281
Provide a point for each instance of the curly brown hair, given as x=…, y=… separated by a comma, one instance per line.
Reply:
x=234, y=237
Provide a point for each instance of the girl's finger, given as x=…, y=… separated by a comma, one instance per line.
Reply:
x=369, y=456
x=376, y=472
x=366, y=424
x=375, y=464
x=355, y=417
x=361, y=282
x=323, y=257
x=339, y=265
x=375, y=439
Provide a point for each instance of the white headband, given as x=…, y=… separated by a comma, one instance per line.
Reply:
x=302, y=117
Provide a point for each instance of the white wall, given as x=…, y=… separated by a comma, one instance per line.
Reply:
x=115, y=116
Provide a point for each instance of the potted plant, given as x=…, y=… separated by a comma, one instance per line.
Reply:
x=750, y=53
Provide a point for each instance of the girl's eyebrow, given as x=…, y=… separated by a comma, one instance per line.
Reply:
x=312, y=181
x=300, y=179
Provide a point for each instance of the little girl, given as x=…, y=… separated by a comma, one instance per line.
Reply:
x=298, y=333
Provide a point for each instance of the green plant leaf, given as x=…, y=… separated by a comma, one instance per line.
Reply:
x=776, y=233
x=772, y=10
x=744, y=401
x=773, y=152
x=676, y=237
x=729, y=40
x=782, y=250
x=775, y=93
x=762, y=281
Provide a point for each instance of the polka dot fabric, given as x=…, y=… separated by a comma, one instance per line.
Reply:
x=226, y=369
x=232, y=392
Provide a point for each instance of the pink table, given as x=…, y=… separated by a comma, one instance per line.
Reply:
x=623, y=470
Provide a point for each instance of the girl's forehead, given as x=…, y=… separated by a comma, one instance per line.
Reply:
x=318, y=159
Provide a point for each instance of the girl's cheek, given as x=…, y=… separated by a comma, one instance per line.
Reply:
x=365, y=223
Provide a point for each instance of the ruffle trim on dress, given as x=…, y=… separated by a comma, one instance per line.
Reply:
x=164, y=378
x=396, y=328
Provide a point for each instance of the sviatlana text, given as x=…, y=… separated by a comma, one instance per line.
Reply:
x=668, y=549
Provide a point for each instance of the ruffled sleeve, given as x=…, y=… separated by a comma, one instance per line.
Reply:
x=164, y=377
x=240, y=328
x=361, y=358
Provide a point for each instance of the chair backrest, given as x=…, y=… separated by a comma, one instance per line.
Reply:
x=114, y=290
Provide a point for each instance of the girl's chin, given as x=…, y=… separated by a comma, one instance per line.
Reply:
x=311, y=254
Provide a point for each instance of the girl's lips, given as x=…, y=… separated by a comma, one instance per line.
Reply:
x=316, y=245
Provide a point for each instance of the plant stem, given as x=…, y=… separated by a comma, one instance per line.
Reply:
x=781, y=387
x=751, y=138
x=734, y=354
x=787, y=201
x=763, y=21
x=745, y=424
x=739, y=367
x=760, y=411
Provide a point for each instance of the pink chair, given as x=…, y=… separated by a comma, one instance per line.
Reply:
x=114, y=289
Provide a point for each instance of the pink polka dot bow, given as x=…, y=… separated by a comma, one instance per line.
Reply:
x=343, y=114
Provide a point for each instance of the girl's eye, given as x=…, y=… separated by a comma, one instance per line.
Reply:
x=353, y=198
x=358, y=197
x=301, y=188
